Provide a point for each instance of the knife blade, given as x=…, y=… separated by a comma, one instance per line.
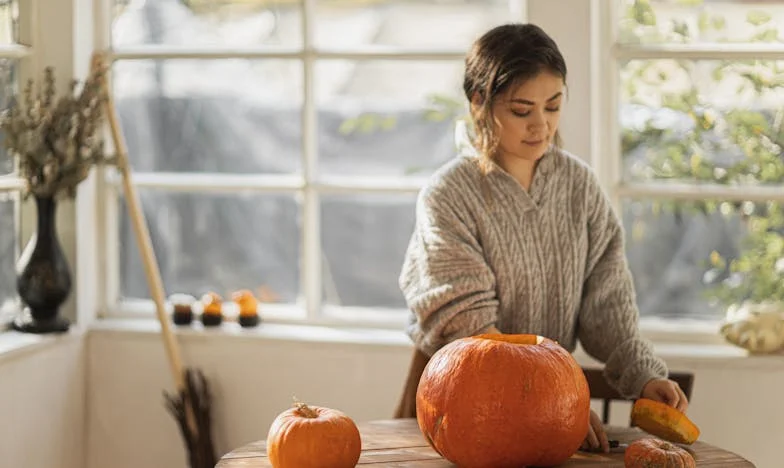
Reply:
x=617, y=445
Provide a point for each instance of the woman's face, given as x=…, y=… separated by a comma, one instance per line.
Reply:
x=527, y=116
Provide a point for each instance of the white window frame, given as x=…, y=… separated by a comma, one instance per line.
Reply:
x=309, y=185
x=607, y=159
x=595, y=39
x=24, y=54
x=610, y=169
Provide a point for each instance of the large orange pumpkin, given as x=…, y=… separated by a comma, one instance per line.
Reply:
x=656, y=453
x=313, y=437
x=503, y=401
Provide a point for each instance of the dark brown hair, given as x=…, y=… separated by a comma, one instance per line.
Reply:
x=503, y=57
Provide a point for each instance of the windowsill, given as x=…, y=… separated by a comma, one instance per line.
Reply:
x=373, y=318
x=265, y=331
x=14, y=344
x=682, y=345
x=675, y=352
x=681, y=331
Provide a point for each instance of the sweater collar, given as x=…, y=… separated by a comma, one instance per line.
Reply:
x=535, y=196
x=544, y=168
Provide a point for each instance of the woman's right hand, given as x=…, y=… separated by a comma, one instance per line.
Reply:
x=596, y=439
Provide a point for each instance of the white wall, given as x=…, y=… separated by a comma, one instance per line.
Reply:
x=254, y=379
x=42, y=404
x=736, y=401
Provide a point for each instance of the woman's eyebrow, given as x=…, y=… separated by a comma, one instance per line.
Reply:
x=531, y=103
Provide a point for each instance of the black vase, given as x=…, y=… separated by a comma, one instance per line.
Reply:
x=43, y=277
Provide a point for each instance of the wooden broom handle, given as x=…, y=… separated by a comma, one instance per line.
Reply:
x=141, y=232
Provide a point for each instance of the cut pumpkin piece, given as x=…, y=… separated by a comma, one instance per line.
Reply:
x=664, y=421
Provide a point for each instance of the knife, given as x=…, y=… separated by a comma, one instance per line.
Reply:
x=615, y=444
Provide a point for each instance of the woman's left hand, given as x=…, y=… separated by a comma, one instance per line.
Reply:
x=666, y=391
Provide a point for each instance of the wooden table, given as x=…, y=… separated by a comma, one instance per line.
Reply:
x=398, y=443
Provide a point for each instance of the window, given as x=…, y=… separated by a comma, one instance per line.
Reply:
x=700, y=109
x=13, y=58
x=8, y=252
x=279, y=146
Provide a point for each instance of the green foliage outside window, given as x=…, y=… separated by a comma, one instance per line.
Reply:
x=750, y=139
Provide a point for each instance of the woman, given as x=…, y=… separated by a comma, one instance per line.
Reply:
x=518, y=236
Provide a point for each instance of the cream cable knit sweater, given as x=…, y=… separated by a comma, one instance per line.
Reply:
x=548, y=261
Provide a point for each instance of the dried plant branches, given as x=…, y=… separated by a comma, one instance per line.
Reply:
x=56, y=140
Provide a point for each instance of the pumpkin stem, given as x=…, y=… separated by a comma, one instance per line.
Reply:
x=304, y=410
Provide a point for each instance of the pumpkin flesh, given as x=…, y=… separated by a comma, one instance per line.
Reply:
x=664, y=421
x=503, y=401
x=313, y=437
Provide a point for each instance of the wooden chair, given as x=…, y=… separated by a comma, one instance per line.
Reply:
x=601, y=390
x=406, y=408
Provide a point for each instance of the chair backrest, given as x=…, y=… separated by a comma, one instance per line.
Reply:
x=406, y=408
x=601, y=390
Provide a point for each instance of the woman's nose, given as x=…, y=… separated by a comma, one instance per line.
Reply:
x=537, y=126
x=537, y=121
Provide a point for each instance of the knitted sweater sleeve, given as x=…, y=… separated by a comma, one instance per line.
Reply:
x=608, y=320
x=445, y=279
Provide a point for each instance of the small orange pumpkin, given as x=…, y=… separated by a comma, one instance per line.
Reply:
x=498, y=400
x=211, y=303
x=656, y=453
x=246, y=302
x=313, y=437
x=664, y=421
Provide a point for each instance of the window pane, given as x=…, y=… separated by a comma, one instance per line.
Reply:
x=230, y=116
x=8, y=254
x=391, y=118
x=364, y=238
x=703, y=121
x=8, y=93
x=195, y=23
x=9, y=21
x=700, y=21
x=216, y=242
x=671, y=248
x=407, y=23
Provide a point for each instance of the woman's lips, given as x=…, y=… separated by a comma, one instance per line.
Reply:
x=533, y=142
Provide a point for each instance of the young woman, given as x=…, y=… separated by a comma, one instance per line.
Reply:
x=517, y=235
